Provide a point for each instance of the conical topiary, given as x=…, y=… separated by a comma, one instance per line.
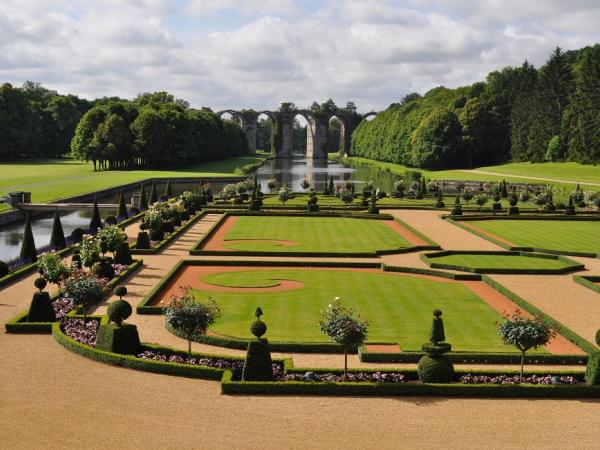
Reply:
x=143, y=240
x=28, y=251
x=3, y=269
x=143, y=199
x=123, y=254
x=57, y=239
x=168, y=189
x=96, y=221
x=436, y=334
x=153, y=194
x=122, y=211
x=40, y=309
x=435, y=366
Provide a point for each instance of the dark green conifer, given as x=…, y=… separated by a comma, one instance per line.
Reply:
x=122, y=211
x=96, y=221
x=28, y=251
x=143, y=199
x=168, y=189
x=57, y=238
x=153, y=194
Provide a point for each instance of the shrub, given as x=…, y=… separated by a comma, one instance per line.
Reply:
x=123, y=339
x=123, y=254
x=40, y=309
x=189, y=316
x=57, y=238
x=143, y=199
x=104, y=269
x=481, y=200
x=592, y=371
x=344, y=328
x=467, y=195
x=258, y=365
x=40, y=283
x=51, y=268
x=153, y=194
x=28, y=251
x=570, y=208
x=110, y=220
x=525, y=334
x=457, y=209
x=84, y=289
x=284, y=194
x=121, y=291
x=3, y=269
x=119, y=310
x=143, y=240
x=305, y=184
x=399, y=187
x=439, y=200
x=95, y=221
x=435, y=369
x=113, y=237
x=347, y=196
x=89, y=250
x=77, y=234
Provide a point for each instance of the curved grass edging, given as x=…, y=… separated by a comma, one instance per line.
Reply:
x=145, y=306
x=455, y=220
x=170, y=238
x=198, y=250
x=19, y=324
x=589, y=281
x=429, y=259
x=133, y=362
x=434, y=273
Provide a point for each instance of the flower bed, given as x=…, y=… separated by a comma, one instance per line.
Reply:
x=516, y=379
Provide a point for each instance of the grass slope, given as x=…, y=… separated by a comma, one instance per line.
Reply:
x=314, y=234
x=546, y=234
x=398, y=307
x=58, y=178
x=500, y=262
x=569, y=173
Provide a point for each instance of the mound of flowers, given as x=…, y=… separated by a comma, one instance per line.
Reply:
x=516, y=379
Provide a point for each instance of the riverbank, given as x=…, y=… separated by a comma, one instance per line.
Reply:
x=50, y=180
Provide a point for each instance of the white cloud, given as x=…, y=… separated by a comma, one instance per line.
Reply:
x=242, y=54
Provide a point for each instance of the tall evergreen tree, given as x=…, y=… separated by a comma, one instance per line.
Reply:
x=96, y=221
x=581, y=124
x=28, y=251
x=153, y=194
x=143, y=199
x=57, y=238
x=521, y=112
x=554, y=90
x=122, y=211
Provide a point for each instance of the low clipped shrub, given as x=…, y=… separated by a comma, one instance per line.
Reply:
x=143, y=240
x=3, y=269
x=258, y=365
x=123, y=254
x=110, y=220
x=123, y=339
x=457, y=209
x=156, y=235
x=104, y=269
x=119, y=310
x=435, y=369
x=168, y=226
x=513, y=211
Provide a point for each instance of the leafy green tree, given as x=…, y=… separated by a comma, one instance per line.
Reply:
x=436, y=143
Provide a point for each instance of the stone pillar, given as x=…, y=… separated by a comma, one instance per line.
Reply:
x=286, y=139
x=316, y=138
x=248, y=124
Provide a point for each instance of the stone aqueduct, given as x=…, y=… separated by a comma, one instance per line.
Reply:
x=316, y=129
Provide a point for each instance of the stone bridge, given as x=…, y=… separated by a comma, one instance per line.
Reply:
x=317, y=126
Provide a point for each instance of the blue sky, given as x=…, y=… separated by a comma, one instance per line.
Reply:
x=256, y=54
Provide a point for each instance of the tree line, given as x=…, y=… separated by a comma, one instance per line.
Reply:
x=154, y=130
x=518, y=113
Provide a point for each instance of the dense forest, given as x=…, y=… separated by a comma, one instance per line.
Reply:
x=153, y=130
x=519, y=113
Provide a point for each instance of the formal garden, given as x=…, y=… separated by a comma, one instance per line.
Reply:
x=358, y=282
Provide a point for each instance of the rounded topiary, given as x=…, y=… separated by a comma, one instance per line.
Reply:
x=110, y=220
x=144, y=226
x=177, y=221
x=496, y=207
x=40, y=283
x=3, y=269
x=168, y=226
x=258, y=327
x=143, y=240
x=435, y=369
x=513, y=211
x=121, y=291
x=513, y=200
x=118, y=311
x=313, y=207
x=104, y=269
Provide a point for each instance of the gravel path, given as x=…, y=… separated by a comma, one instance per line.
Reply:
x=51, y=398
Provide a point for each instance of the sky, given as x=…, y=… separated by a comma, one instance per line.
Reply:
x=234, y=54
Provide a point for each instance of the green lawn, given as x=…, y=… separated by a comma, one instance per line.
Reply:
x=313, y=234
x=546, y=234
x=569, y=173
x=58, y=178
x=500, y=262
x=398, y=307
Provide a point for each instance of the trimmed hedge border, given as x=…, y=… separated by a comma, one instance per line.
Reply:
x=197, y=250
x=564, y=331
x=589, y=281
x=19, y=324
x=455, y=220
x=169, y=239
x=145, y=306
x=435, y=273
x=429, y=258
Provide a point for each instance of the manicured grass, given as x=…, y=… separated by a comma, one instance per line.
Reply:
x=313, y=234
x=58, y=178
x=398, y=307
x=501, y=262
x=546, y=234
x=569, y=173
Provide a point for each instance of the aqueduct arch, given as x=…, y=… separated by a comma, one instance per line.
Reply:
x=282, y=122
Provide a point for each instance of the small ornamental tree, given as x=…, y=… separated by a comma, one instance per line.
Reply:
x=344, y=327
x=51, y=268
x=305, y=184
x=481, y=200
x=271, y=184
x=347, y=196
x=190, y=317
x=284, y=194
x=112, y=237
x=57, y=238
x=467, y=195
x=525, y=334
